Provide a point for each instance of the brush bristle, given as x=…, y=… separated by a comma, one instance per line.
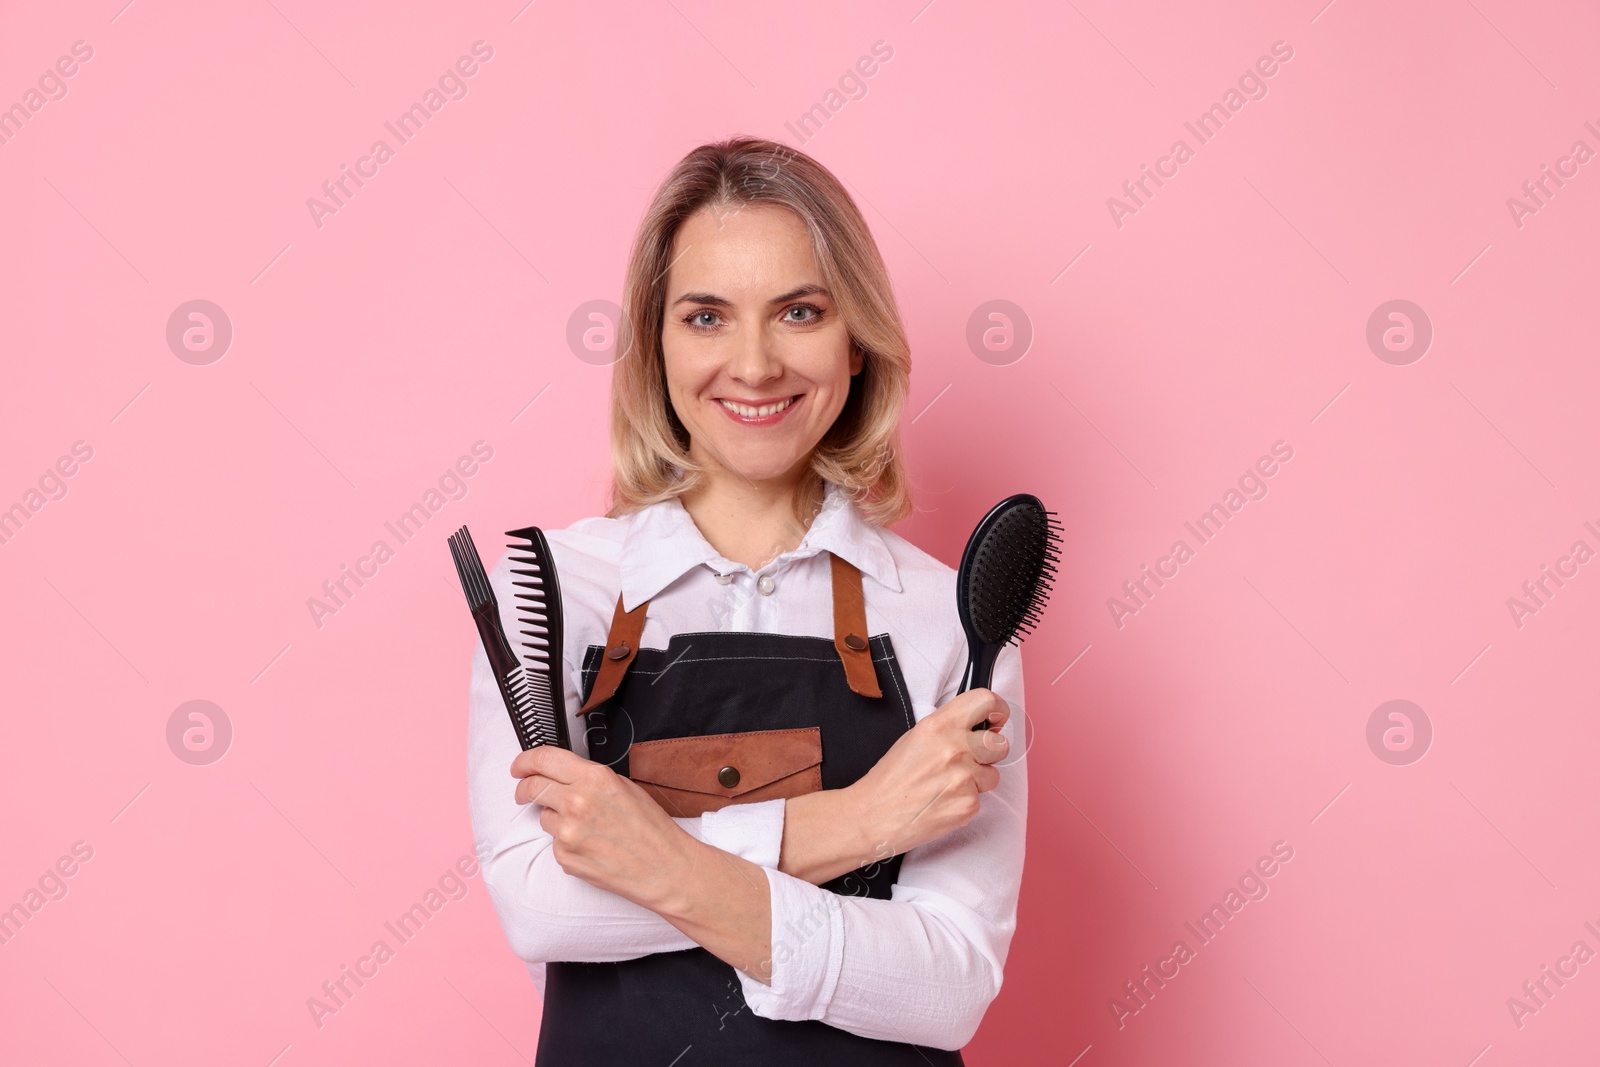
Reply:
x=1012, y=573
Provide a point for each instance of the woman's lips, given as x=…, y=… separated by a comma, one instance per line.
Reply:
x=789, y=404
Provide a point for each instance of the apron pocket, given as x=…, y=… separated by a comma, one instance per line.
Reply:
x=690, y=776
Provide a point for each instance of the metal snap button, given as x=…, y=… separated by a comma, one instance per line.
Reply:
x=619, y=651
x=724, y=579
x=766, y=585
x=854, y=641
x=728, y=777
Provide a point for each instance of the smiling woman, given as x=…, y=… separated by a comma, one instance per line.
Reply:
x=749, y=850
x=730, y=300
x=754, y=380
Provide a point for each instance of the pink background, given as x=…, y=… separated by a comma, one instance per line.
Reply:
x=1170, y=752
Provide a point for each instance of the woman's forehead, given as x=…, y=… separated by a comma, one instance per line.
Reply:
x=749, y=255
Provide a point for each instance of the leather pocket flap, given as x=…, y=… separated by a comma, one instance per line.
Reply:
x=725, y=765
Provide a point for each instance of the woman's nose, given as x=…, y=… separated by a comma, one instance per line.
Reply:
x=755, y=357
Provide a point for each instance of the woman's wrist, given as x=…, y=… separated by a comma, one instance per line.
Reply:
x=670, y=887
x=827, y=833
x=718, y=900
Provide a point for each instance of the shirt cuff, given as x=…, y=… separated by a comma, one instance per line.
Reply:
x=807, y=951
x=752, y=831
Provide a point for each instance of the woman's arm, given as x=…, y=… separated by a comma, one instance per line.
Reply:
x=546, y=915
x=927, y=785
x=549, y=915
x=923, y=966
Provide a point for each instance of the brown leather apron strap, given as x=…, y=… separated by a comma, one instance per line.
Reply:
x=622, y=644
x=849, y=637
x=850, y=627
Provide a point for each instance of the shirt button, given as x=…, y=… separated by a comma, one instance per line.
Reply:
x=766, y=585
x=724, y=579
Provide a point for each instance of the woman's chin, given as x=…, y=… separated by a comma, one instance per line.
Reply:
x=759, y=475
x=758, y=468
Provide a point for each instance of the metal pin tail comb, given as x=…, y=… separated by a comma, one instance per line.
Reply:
x=1004, y=581
x=531, y=688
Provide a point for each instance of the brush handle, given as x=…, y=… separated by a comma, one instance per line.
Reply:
x=980, y=671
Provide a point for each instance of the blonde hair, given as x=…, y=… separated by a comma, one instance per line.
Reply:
x=858, y=453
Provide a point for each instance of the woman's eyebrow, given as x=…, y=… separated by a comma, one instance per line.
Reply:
x=716, y=301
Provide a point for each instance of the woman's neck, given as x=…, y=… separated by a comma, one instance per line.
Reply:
x=753, y=522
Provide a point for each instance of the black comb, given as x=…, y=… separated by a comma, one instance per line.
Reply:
x=1004, y=581
x=527, y=693
x=539, y=617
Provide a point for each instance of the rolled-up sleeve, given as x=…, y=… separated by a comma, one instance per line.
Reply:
x=923, y=966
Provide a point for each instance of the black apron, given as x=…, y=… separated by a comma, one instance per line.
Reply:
x=687, y=1008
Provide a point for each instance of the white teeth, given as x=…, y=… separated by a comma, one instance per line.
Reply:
x=750, y=413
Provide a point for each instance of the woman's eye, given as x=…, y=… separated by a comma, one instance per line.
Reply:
x=694, y=320
x=815, y=313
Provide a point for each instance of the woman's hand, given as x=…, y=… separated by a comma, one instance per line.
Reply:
x=927, y=784
x=603, y=827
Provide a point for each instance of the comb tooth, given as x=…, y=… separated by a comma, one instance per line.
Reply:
x=461, y=571
x=538, y=614
x=470, y=547
x=470, y=569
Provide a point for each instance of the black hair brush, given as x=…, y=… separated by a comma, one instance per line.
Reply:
x=1004, y=581
x=533, y=693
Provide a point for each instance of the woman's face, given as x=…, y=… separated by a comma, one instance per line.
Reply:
x=749, y=323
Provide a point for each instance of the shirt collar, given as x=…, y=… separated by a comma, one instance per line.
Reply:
x=662, y=544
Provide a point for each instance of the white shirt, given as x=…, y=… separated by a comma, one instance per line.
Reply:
x=921, y=967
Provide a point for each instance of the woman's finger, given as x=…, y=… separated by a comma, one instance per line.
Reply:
x=553, y=762
x=537, y=789
x=987, y=778
x=989, y=746
x=990, y=714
